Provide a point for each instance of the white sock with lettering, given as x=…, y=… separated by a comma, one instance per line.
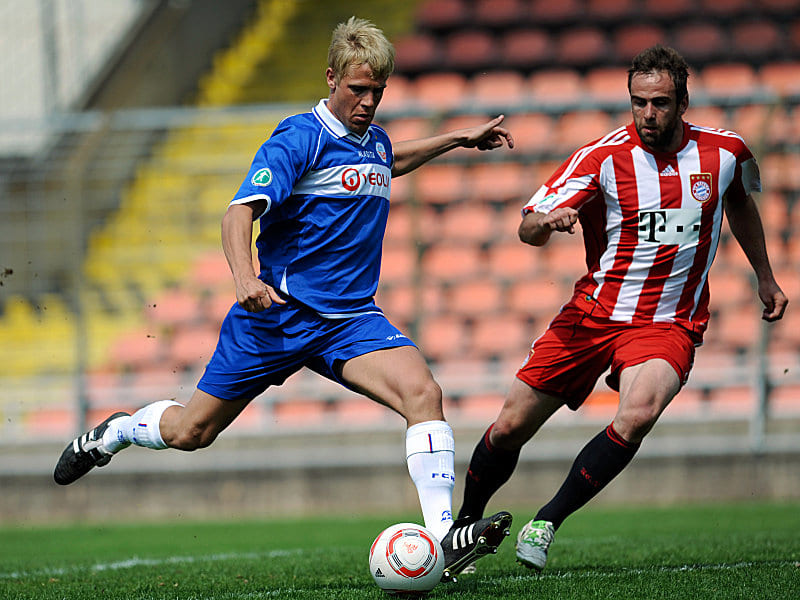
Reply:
x=430, y=454
x=141, y=428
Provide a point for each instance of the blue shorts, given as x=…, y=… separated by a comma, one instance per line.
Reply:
x=257, y=350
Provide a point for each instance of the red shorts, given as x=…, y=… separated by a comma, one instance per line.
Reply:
x=577, y=348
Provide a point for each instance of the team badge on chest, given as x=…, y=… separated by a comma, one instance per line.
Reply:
x=379, y=148
x=700, y=186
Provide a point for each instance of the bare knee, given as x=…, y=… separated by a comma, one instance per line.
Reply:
x=191, y=437
x=634, y=424
x=423, y=402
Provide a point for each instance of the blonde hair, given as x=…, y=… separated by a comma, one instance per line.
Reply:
x=358, y=41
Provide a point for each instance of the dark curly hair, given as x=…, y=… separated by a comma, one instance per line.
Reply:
x=662, y=58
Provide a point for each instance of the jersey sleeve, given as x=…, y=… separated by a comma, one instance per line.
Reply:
x=278, y=164
x=747, y=177
x=573, y=184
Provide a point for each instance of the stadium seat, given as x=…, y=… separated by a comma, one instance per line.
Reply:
x=300, y=412
x=471, y=222
x=442, y=336
x=416, y=53
x=752, y=122
x=397, y=95
x=757, y=40
x=629, y=40
x=511, y=260
x=707, y=116
x=407, y=128
x=582, y=47
x=525, y=49
x=555, y=86
x=549, y=13
x=469, y=50
x=607, y=84
x=210, y=271
x=497, y=88
x=398, y=263
x=532, y=131
x=668, y=11
x=497, y=183
x=612, y=11
x=440, y=184
x=729, y=79
x=499, y=14
x=443, y=14
x=136, y=349
x=480, y=408
x=538, y=298
x=440, y=91
x=452, y=261
x=577, y=128
x=173, y=307
x=781, y=77
x=728, y=10
x=500, y=336
x=474, y=298
x=699, y=43
x=192, y=347
x=405, y=303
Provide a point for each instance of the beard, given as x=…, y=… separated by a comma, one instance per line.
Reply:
x=661, y=139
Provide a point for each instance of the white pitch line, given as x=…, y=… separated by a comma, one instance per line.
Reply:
x=149, y=562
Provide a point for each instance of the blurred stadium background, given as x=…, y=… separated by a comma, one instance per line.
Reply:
x=126, y=127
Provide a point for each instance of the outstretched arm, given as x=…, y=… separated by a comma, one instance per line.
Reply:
x=411, y=154
x=252, y=294
x=745, y=224
x=536, y=227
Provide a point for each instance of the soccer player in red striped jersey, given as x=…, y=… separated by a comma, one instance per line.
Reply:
x=649, y=198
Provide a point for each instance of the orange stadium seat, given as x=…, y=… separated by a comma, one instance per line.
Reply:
x=757, y=40
x=174, y=307
x=752, y=122
x=300, y=412
x=440, y=91
x=498, y=88
x=582, y=46
x=192, y=346
x=210, y=271
x=407, y=128
x=726, y=9
x=417, y=53
x=730, y=288
x=470, y=222
x=607, y=83
x=738, y=327
x=136, y=349
x=550, y=13
x=474, y=298
x=216, y=306
x=480, y=408
x=442, y=336
x=469, y=49
x=670, y=11
x=404, y=303
x=359, y=411
x=699, y=43
x=449, y=261
x=555, y=86
x=729, y=79
x=398, y=263
x=538, y=298
x=707, y=116
x=532, y=131
x=500, y=13
x=500, y=336
x=612, y=10
x=512, y=260
x=576, y=128
x=440, y=183
x=398, y=93
x=629, y=40
x=525, y=49
x=443, y=14
x=496, y=182
x=781, y=77
x=411, y=224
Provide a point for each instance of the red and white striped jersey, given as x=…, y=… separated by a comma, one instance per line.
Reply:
x=651, y=221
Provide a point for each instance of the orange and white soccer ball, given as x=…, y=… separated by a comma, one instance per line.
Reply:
x=406, y=559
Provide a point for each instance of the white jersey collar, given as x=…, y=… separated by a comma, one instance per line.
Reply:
x=335, y=126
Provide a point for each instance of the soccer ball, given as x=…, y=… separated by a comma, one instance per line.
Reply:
x=406, y=559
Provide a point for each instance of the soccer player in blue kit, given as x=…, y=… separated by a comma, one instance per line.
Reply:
x=319, y=187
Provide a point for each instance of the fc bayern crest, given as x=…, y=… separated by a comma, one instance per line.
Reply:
x=701, y=186
x=381, y=151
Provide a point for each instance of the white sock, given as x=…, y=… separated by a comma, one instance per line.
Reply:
x=141, y=428
x=430, y=454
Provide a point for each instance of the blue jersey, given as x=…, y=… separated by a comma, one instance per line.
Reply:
x=327, y=196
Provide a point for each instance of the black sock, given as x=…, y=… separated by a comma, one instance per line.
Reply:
x=489, y=469
x=602, y=459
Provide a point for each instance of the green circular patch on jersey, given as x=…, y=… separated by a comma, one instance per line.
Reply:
x=262, y=177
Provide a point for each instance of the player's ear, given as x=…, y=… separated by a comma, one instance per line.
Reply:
x=684, y=105
x=330, y=78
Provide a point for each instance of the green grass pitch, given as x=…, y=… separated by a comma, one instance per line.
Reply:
x=742, y=551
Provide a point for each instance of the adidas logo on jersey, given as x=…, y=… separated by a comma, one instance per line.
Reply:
x=668, y=172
